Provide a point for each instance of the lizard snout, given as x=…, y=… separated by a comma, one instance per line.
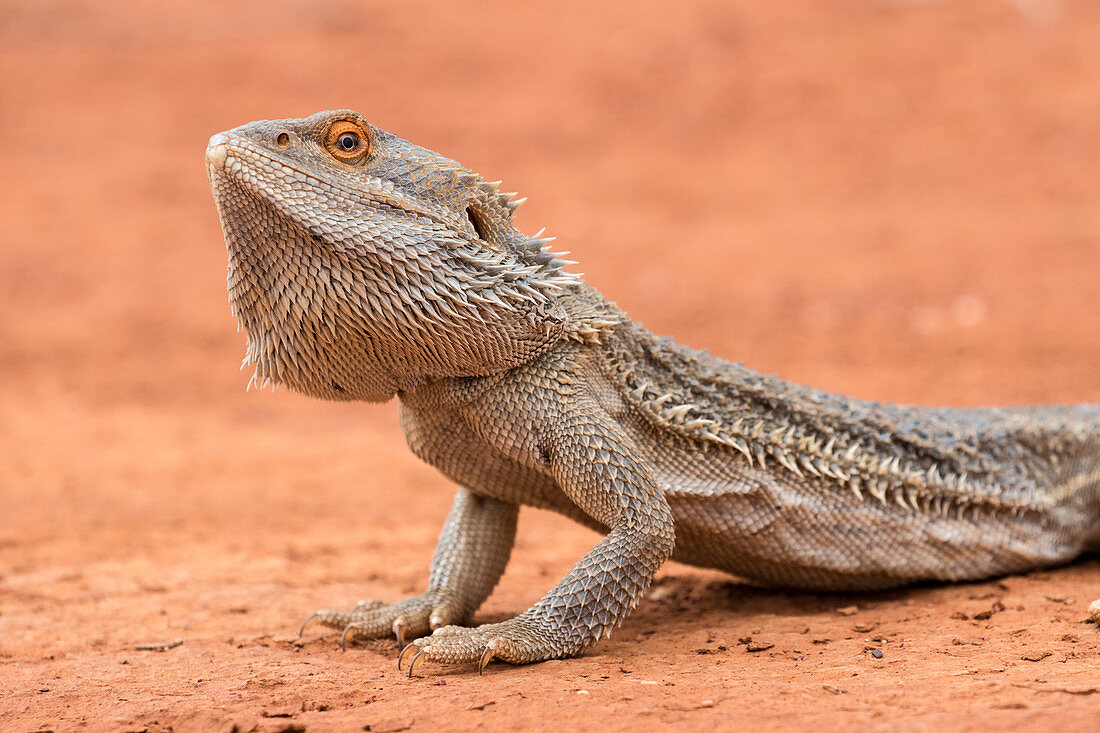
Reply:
x=217, y=149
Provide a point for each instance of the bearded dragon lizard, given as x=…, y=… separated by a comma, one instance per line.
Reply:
x=363, y=267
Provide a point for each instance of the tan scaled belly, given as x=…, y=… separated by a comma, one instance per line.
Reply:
x=778, y=529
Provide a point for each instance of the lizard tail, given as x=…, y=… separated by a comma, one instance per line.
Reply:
x=1093, y=543
x=1078, y=490
x=1089, y=480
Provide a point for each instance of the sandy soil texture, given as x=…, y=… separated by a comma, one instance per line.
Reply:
x=898, y=200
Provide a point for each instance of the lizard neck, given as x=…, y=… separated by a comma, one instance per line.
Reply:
x=580, y=316
x=448, y=394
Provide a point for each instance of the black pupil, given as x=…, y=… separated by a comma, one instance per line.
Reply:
x=348, y=141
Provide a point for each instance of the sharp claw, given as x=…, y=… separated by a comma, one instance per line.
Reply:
x=306, y=624
x=486, y=657
x=348, y=630
x=412, y=664
x=399, y=631
x=404, y=653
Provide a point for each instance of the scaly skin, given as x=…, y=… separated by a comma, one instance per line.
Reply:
x=364, y=267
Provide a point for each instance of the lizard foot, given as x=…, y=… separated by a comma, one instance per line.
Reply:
x=371, y=619
x=515, y=641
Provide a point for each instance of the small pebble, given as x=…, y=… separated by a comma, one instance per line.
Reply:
x=1094, y=612
x=1036, y=656
x=758, y=646
x=158, y=646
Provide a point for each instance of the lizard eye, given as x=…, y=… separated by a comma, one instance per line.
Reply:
x=347, y=142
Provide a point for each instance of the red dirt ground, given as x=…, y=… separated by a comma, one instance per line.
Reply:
x=899, y=200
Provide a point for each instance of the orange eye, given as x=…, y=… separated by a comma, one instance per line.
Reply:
x=347, y=142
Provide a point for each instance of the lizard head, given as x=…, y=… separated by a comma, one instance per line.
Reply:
x=361, y=265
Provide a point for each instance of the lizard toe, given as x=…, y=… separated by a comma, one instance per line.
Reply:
x=382, y=622
x=479, y=645
x=372, y=619
x=326, y=617
x=367, y=604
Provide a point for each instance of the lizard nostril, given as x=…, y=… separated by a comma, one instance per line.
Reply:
x=283, y=140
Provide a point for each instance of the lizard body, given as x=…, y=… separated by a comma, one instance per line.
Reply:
x=364, y=267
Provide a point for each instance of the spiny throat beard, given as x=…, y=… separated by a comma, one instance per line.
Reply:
x=282, y=292
x=352, y=321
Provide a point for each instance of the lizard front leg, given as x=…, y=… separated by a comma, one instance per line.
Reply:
x=593, y=463
x=469, y=559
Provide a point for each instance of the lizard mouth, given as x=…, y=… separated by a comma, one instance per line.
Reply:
x=279, y=181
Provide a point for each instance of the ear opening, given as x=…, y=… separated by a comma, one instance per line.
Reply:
x=475, y=219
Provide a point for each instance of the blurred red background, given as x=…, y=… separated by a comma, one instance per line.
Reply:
x=897, y=200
